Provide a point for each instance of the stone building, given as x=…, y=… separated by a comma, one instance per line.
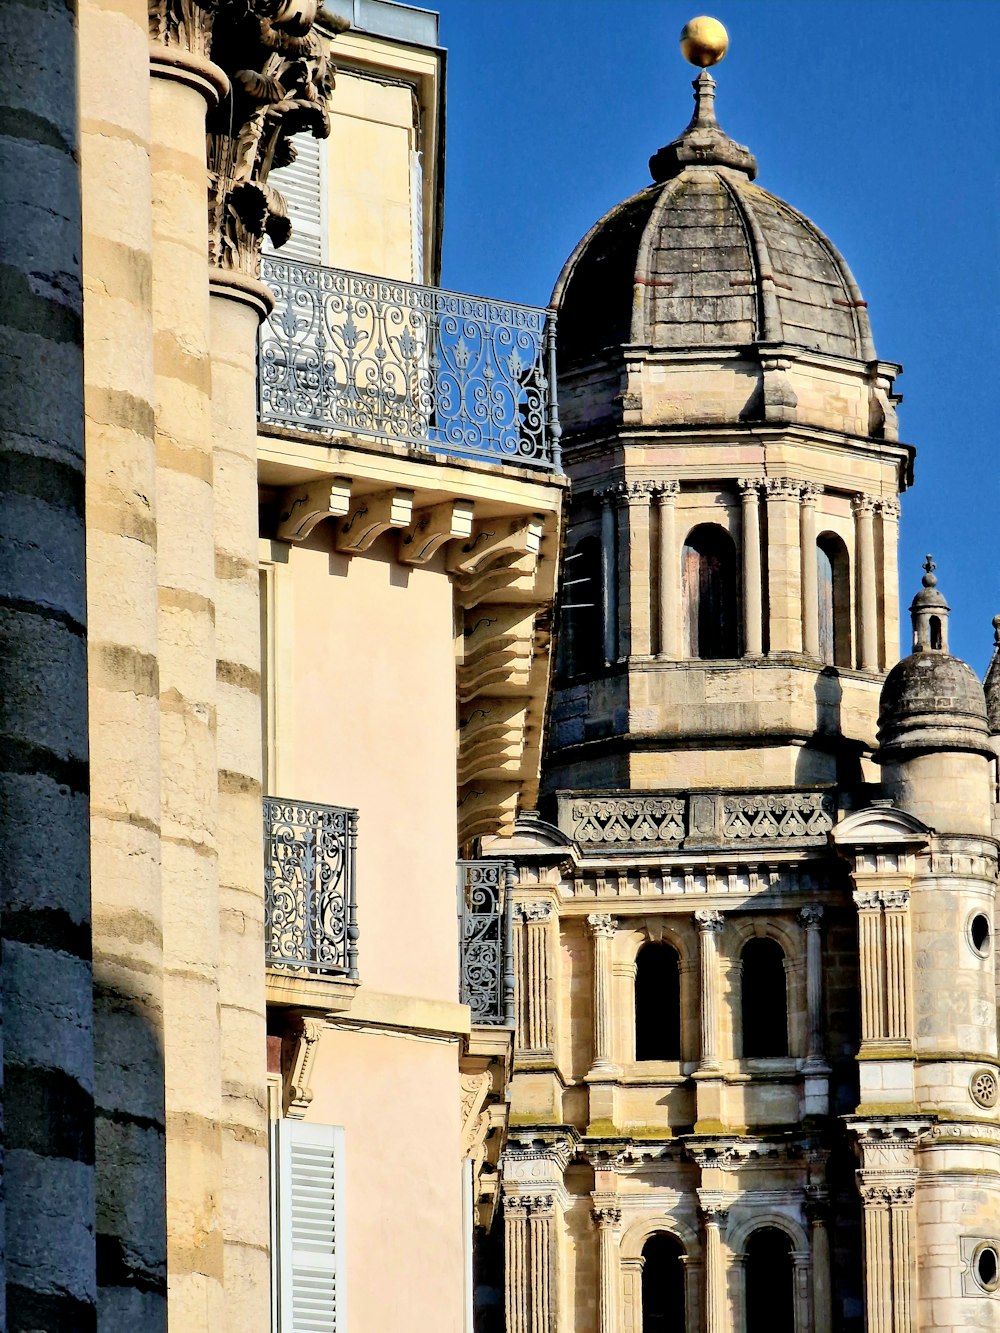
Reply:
x=755, y=1074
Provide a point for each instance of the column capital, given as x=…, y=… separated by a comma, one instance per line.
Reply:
x=867, y=900
x=894, y=899
x=863, y=505
x=782, y=488
x=638, y=490
x=891, y=1193
x=540, y=1205
x=811, y=917
x=515, y=1205
x=817, y=1204
x=538, y=910
x=713, y=1207
x=890, y=508
x=810, y=492
x=600, y=923
x=666, y=490
x=606, y=1217
x=749, y=487
x=708, y=922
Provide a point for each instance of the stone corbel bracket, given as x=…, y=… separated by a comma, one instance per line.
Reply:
x=486, y=807
x=497, y=651
x=301, y=1044
x=492, y=736
x=501, y=553
x=431, y=528
x=370, y=516
x=302, y=507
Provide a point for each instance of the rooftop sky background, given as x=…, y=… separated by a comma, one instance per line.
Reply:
x=878, y=120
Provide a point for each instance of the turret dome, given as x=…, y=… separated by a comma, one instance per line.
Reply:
x=703, y=257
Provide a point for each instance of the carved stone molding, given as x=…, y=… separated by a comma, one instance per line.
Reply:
x=666, y=491
x=863, y=504
x=539, y=910
x=599, y=923
x=810, y=492
x=778, y=815
x=983, y=1087
x=890, y=508
x=877, y=1193
x=184, y=24
x=606, y=1217
x=370, y=516
x=629, y=820
x=714, y=1206
x=811, y=917
x=475, y=1088
x=782, y=488
x=750, y=487
x=303, y=507
x=432, y=527
x=638, y=490
x=872, y=900
x=298, y=1093
x=708, y=921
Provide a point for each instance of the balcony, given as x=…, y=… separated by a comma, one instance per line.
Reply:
x=486, y=958
x=309, y=889
x=462, y=376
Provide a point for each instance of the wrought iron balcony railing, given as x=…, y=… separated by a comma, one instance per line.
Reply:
x=459, y=375
x=309, y=887
x=486, y=951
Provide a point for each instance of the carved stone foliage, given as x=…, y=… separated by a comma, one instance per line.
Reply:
x=185, y=24
x=280, y=80
x=629, y=820
x=787, y=815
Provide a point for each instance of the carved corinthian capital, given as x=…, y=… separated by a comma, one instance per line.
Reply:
x=183, y=24
x=280, y=82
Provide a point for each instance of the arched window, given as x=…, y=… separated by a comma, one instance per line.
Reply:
x=710, y=601
x=657, y=1003
x=662, y=1284
x=581, y=646
x=765, y=999
x=833, y=585
x=770, y=1303
x=936, y=637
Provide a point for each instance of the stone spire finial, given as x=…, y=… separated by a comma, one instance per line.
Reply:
x=929, y=613
x=991, y=685
x=704, y=42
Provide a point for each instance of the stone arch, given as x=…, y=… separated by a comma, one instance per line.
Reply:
x=638, y=1232
x=671, y=932
x=743, y=1228
x=680, y=936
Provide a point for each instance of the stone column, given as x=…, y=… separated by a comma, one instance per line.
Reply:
x=48, y=1131
x=669, y=571
x=871, y=965
x=888, y=1226
x=636, y=629
x=516, y=1263
x=901, y=1240
x=895, y=903
x=609, y=573
x=714, y=1216
x=801, y=1292
x=602, y=930
x=129, y=1147
x=812, y=919
x=237, y=306
x=817, y=1211
x=183, y=85
x=784, y=565
x=534, y=998
x=753, y=613
x=864, y=509
x=890, y=580
x=709, y=926
x=542, y=1292
x=810, y=592
x=607, y=1219
x=631, y=1270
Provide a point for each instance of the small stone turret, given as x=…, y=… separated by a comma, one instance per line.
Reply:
x=991, y=688
x=934, y=737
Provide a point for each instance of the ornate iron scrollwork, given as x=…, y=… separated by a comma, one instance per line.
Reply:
x=486, y=905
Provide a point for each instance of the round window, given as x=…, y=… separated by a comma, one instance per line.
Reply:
x=979, y=933
x=986, y=1268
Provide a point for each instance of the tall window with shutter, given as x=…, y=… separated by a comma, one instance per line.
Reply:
x=307, y=1225
x=303, y=185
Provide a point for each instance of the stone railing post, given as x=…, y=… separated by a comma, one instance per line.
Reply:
x=864, y=510
x=602, y=930
x=810, y=591
x=753, y=615
x=607, y=1219
x=669, y=571
x=709, y=927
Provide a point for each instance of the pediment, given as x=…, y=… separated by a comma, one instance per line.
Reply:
x=881, y=824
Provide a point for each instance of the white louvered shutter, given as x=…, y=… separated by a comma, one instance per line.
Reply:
x=302, y=186
x=310, y=1228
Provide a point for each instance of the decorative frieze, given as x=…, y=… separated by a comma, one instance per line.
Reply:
x=656, y=882
x=778, y=815
x=629, y=820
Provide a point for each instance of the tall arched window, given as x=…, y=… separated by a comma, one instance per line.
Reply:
x=833, y=584
x=711, y=612
x=657, y=1003
x=662, y=1284
x=770, y=1299
x=764, y=999
x=581, y=646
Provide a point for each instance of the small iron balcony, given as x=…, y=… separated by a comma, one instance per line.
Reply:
x=486, y=952
x=458, y=375
x=309, y=887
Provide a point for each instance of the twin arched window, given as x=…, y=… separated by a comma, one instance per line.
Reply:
x=657, y=1003
x=711, y=605
x=764, y=996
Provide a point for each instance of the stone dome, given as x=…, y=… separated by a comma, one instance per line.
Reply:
x=703, y=257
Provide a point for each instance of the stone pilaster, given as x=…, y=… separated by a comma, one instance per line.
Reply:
x=47, y=980
x=602, y=931
x=669, y=571
x=883, y=942
x=129, y=1147
x=517, y=1264
x=889, y=511
x=534, y=1028
x=709, y=925
x=810, y=593
x=784, y=565
x=888, y=1229
x=609, y=573
x=631, y=1271
x=753, y=614
x=636, y=618
x=816, y=1069
x=607, y=1217
x=529, y=1262
x=817, y=1208
x=714, y=1211
x=864, y=528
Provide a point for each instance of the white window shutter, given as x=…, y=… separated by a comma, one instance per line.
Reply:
x=302, y=186
x=310, y=1228
x=417, y=214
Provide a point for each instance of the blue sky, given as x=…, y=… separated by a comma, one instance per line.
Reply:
x=879, y=120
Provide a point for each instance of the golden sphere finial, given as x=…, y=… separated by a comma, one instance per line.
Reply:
x=704, y=41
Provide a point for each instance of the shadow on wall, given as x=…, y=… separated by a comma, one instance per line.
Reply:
x=844, y=766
